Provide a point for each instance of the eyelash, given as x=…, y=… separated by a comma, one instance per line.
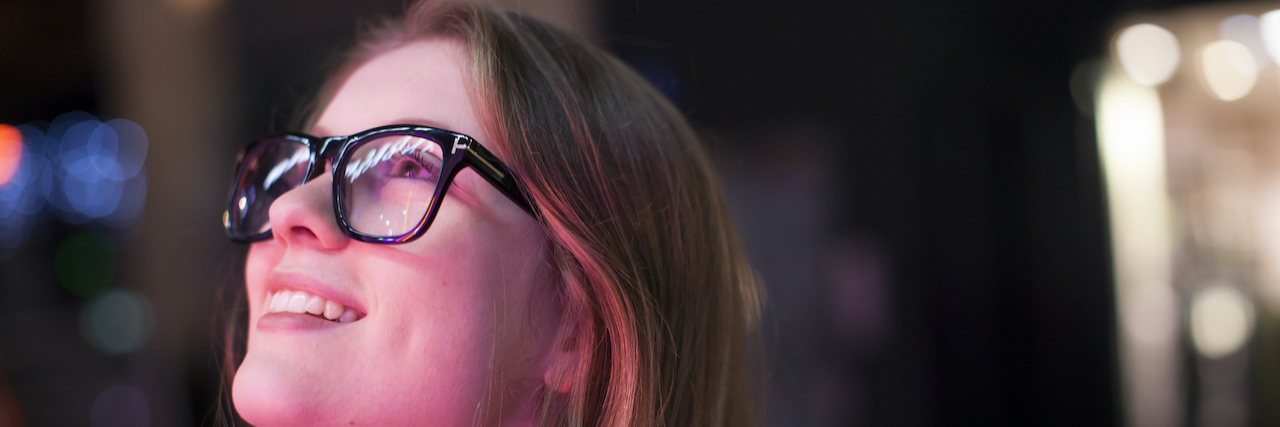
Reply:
x=428, y=165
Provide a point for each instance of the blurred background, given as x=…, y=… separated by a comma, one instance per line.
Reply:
x=991, y=212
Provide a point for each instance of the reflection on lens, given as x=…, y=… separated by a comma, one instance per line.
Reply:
x=388, y=184
x=267, y=172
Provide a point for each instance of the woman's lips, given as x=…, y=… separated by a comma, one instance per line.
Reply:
x=285, y=321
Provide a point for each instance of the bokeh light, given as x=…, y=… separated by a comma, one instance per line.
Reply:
x=1150, y=315
x=1148, y=53
x=1269, y=29
x=91, y=178
x=59, y=126
x=1228, y=69
x=120, y=406
x=1131, y=142
x=130, y=145
x=1221, y=321
x=10, y=153
x=85, y=170
x=86, y=264
x=117, y=322
x=98, y=169
x=1246, y=30
x=22, y=197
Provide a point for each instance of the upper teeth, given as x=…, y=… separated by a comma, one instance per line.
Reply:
x=286, y=301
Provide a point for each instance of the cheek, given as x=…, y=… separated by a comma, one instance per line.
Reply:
x=458, y=310
x=509, y=259
x=436, y=296
x=263, y=256
x=430, y=308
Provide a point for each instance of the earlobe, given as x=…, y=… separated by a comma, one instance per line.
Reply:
x=563, y=359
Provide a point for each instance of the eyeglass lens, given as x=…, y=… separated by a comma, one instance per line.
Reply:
x=387, y=185
x=268, y=170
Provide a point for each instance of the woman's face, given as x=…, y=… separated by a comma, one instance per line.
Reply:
x=454, y=328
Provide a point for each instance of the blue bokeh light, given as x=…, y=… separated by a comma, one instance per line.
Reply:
x=23, y=197
x=99, y=172
x=85, y=170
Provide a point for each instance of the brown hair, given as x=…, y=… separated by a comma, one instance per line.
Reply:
x=662, y=307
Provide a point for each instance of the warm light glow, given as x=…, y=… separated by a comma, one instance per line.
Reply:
x=1268, y=239
x=1131, y=143
x=196, y=7
x=1228, y=69
x=1151, y=315
x=1221, y=321
x=1269, y=27
x=10, y=153
x=1246, y=30
x=1147, y=53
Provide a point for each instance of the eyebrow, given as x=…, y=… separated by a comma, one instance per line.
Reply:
x=421, y=122
x=319, y=130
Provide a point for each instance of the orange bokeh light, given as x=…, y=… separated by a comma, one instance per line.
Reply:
x=10, y=152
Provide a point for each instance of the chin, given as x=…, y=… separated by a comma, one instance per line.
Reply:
x=270, y=392
x=266, y=397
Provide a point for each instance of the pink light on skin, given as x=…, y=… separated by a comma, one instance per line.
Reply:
x=10, y=153
x=455, y=328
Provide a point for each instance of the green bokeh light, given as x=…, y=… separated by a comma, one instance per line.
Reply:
x=117, y=322
x=86, y=264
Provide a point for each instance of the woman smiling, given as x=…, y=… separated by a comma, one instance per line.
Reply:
x=489, y=221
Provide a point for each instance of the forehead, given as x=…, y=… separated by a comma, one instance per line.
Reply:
x=424, y=81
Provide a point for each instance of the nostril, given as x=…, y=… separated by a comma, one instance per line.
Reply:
x=299, y=230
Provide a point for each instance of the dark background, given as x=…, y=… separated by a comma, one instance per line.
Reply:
x=911, y=178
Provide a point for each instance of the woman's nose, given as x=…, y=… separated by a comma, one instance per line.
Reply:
x=304, y=216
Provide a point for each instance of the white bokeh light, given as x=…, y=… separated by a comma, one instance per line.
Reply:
x=1228, y=69
x=1221, y=321
x=1131, y=142
x=1246, y=30
x=1269, y=28
x=1148, y=53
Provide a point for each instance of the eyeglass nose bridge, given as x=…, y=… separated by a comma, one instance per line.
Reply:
x=325, y=151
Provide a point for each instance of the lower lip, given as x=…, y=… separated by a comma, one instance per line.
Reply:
x=293, y=322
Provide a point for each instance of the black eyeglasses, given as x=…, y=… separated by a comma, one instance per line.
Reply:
x=387, y=181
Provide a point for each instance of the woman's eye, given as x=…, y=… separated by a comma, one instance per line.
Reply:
x=410, y=167
x=406, y=169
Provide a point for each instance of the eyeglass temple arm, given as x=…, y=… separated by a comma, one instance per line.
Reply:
x=497, y=174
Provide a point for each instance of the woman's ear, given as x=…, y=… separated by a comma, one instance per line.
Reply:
x=564, y=358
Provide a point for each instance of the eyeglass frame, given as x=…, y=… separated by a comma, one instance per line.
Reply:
x=473, y=154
